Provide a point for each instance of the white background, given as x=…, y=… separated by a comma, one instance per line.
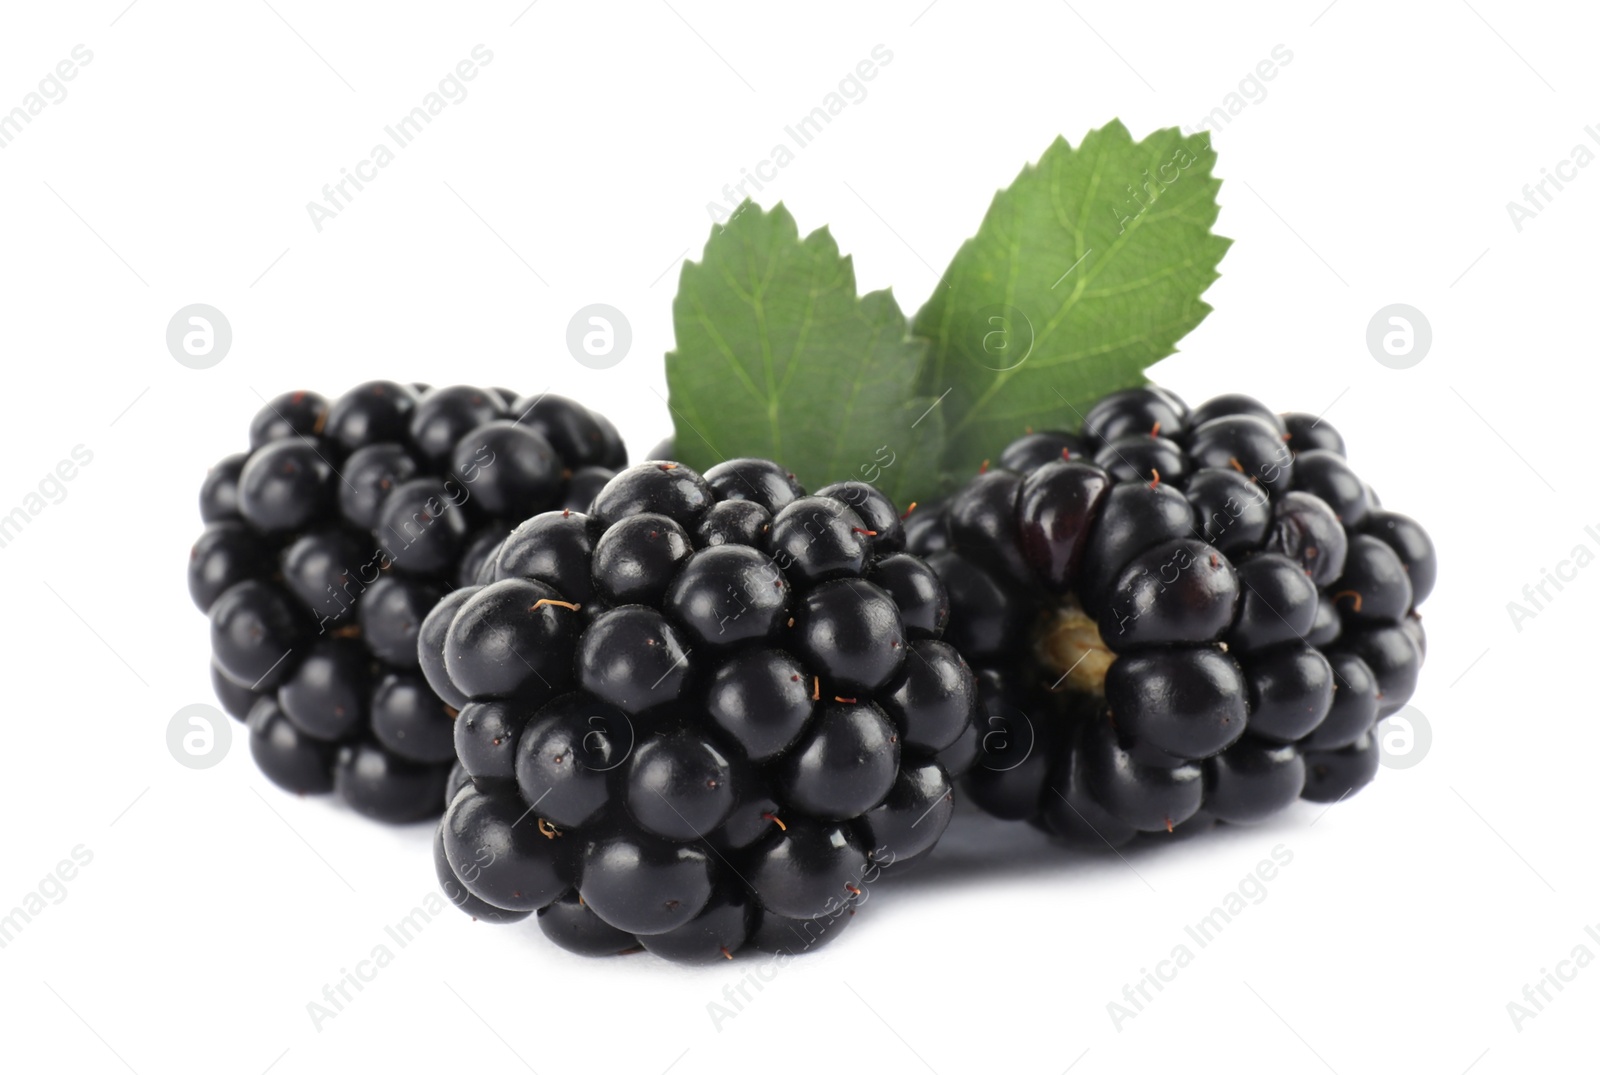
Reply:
x=1376, y=169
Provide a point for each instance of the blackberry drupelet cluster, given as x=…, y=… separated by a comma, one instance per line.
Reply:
x=707, y=713
x=327, y=543
x=1177, y=616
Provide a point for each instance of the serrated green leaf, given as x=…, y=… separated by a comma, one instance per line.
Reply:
x=1085, y=271
x=778, y=357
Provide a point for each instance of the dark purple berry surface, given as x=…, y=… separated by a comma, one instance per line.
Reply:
x=708, y=713
x=331, y=540
x=1189, y=613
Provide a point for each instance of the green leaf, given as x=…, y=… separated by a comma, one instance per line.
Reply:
x=1085, y=271
x=778, y=357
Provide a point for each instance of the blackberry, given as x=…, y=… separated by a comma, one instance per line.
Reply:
x=1176, y=617
x=705, y=714
x=327, y=545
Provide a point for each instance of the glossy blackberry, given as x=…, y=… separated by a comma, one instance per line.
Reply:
x=369, y=475
x=1325, y=475
x=554, y=548
x=916, y=591
x=1374, y=586
x=1031, y=451
x=1411, y=543
x=718, y=931
x=318, y=568
x=291, y=416
x=735, y=522
x=1333, y=775
x=378, y=412
x=724, y=727
x=285, y=486
x=443, y=416
x=1248, y=444
x=1135, y=411
x=225, y=553
x=291, y=759
x=457, y=893
x=1176, y=617
x=581, y=437
x=1252, y=780
x=569, y=922
x=759, y=481
x=1235, y=404
x=1307, y=531
x=412, y=722
x=328, y=544
x=219, y=492
x=815, y=538
x=512, y=470
x=795, y=936
x=1307, y=432
x=327, y=695
x=1142, y=457
x=1230, y=511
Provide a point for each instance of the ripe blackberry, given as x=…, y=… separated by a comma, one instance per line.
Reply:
x=1176, y=617
x=327, y=545
x=706, y=714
